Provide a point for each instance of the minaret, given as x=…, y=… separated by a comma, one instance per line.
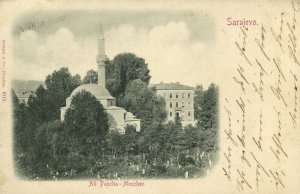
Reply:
x=101, y=58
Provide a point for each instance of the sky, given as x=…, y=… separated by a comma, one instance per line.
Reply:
x=177, y=45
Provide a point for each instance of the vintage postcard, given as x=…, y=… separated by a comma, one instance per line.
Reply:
x=150, y=97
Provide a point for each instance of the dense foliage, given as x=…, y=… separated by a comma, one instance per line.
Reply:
x=45, y=104
x=206, y=106
x=123, y=69
x=82, y=146
x=91, y=77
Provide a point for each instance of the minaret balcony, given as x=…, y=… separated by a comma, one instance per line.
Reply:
x=101, y=58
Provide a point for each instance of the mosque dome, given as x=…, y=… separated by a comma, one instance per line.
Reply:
x=98, y=91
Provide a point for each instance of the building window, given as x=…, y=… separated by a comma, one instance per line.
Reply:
x=170, y=114
x=177, y=116
x=176, y=95
x=182, y=95
x=189, y=114
x=189, y=95
x=189, y=105
x=170, y=104
x=176, y=104
x=170, y=95
x=182, y=104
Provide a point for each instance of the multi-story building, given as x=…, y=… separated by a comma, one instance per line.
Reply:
x=179, y=101
x=24, y=88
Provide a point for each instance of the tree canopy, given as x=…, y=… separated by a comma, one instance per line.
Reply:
x=206, y=106
x=41, y=106
x=86, y=127
x=144, y=103
x=123, y=69
x=86, y=116
x=62, y=82
x=90, y=77
x=198, y=100
x=60, y=85
x=45, y=104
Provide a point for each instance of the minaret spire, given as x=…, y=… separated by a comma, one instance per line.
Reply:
x=101, y=57
x=101, y=34
x=101, y=41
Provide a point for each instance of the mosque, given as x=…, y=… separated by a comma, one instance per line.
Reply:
x=118, y=117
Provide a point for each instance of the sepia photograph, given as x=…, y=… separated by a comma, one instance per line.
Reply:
x=92, y=98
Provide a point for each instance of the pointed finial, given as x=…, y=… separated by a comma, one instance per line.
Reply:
x=101, y=35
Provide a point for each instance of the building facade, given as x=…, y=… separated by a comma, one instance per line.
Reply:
x=118, y=117
x=24, y=88
x=179, y=101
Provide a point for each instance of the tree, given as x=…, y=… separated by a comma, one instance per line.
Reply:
x=206, y=105
x=47, y=150
x=60, y=85
x=90, y=77
x=46, y=103
x=131, y=139
x=18, y=134
x=144, y=103
x=86, y=115
x=41, y=106
x=170, y=140
x=193, y=137
x=115, y=143
x=123, y=69
x=86, y=128
x=24, y=127
x=147, y=106
x=198, y=101
x=207, y=115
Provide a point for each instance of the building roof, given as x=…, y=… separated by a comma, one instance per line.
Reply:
x=98, y=91
x=171, y=86
x=26, y=85
x=115, y=108
x=24, y=88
